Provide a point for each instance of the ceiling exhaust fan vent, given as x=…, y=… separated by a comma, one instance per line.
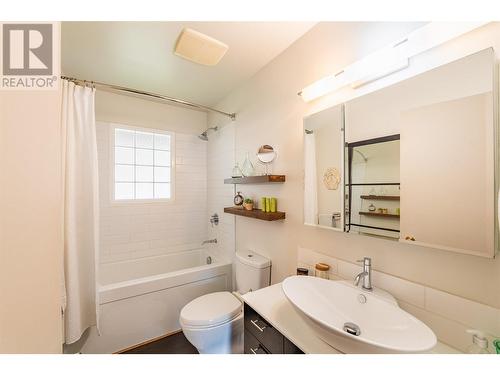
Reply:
x=199, y=48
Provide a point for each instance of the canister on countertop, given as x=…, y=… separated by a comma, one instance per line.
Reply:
x=321, y=270
x=302, y=271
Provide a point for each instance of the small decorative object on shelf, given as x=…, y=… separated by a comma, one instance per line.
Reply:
x=247, y=169
x=236, y=171
x=263, y=204
x=238, y=199
x=273, y=205
x=266, y=156
x=248, y=204
x=371, y=208
x=382, y=191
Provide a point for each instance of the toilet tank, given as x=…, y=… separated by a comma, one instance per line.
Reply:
x=252, y=271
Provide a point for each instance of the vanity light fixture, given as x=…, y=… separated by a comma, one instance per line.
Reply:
x=390, y=59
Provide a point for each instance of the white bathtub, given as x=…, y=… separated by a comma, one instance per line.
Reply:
x=141, y=299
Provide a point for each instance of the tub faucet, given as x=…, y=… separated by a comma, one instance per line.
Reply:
x=366, y=275
x=209, y=241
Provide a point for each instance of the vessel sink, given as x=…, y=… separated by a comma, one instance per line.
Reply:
x=353, y=320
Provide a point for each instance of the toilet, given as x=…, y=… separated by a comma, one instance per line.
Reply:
x=213, y=323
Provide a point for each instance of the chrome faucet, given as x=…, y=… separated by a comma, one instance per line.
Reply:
x=209, y=241
x=366, y=275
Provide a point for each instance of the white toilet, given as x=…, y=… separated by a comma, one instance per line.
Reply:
x=213, y=323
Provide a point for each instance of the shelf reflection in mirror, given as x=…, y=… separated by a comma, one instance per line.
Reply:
x=372, y=187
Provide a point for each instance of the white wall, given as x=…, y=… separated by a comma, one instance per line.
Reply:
x=270, y=112
x=31, y=237
x=135, y=230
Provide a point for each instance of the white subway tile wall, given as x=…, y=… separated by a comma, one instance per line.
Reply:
x=132, y=230
x=449, y=316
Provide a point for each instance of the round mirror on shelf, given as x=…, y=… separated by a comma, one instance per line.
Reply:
x=266, y=155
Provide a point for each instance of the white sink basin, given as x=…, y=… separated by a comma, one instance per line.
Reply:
x=376, y=324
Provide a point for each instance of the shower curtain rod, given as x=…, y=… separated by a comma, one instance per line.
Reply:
x=106, y=86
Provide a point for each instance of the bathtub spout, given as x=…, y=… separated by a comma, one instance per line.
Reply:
x=209, y=241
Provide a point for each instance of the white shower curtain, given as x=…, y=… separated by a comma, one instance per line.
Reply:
x=81, y=210
x=310, y=181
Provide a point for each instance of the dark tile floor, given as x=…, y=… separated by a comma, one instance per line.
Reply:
x=174, y=344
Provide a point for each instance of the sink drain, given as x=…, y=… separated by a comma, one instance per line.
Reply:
x=352, y=329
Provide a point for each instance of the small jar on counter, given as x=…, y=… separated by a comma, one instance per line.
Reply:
x=321, y=270
x=301, y=271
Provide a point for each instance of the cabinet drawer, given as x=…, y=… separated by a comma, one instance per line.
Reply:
x=252, y=345
x=290, y=347
x=263, y=331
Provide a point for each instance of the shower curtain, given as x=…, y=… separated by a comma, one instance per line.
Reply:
x=310, y=181
x=81, y=210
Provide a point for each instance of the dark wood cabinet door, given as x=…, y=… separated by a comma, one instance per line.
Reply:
x=252, y=345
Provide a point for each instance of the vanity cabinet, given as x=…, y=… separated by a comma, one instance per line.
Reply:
x=260, y=337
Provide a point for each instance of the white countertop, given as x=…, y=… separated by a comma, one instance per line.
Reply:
x=272, y=304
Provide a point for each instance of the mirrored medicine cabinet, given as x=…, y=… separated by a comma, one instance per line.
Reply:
x=413, y=162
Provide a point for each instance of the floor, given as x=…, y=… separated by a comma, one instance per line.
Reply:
x=174, y=344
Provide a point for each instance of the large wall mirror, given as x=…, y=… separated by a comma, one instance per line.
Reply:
x=419, y=159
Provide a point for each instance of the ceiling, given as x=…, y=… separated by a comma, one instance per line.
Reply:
x=140, y=55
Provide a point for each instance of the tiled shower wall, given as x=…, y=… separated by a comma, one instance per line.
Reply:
x=134, y=230
x=221, y=161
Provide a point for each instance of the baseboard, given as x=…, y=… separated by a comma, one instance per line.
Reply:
x=147, y=342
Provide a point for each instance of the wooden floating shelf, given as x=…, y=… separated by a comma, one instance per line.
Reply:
x=379, y=214
x=255, y=213
x=270, y=178
x=381, y=197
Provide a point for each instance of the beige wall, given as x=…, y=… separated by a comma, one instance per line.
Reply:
x=129, y=110
x=270, y=112
x=31, y=239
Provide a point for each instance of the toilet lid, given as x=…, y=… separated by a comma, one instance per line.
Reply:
x=210, y=310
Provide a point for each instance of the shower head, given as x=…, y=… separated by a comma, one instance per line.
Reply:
x=203, y=136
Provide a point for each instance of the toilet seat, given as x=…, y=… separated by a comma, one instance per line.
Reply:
x=210, y=310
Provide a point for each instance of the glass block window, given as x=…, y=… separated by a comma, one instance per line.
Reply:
x=142, y=164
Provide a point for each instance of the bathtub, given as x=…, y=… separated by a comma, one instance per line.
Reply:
x=140, y=300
